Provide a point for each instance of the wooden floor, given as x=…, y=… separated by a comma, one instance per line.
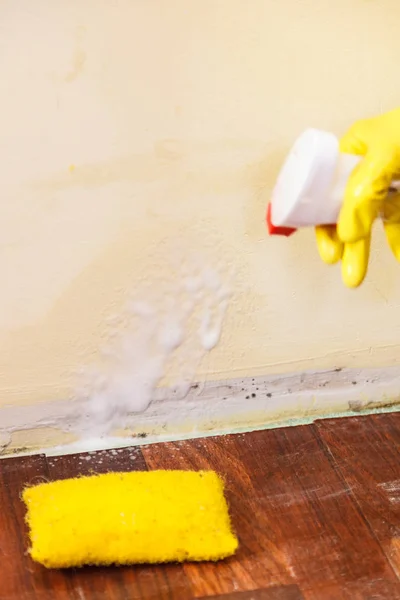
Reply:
x=316, y=509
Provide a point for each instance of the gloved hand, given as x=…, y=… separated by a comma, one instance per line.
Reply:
x=366, y=197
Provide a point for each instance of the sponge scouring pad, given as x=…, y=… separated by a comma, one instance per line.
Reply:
x=128, y=518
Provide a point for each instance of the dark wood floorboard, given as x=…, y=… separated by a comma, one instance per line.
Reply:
x=296, y=518
x=20, y=578
x=258, y=562
x=282, y=592
x=88, y=463
x=364, y=589
x=366, y=451
x=316, y=509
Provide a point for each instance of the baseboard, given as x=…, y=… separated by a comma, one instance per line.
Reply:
x=209, y=408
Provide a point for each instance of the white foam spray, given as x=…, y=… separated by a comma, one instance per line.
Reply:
x=151, y=338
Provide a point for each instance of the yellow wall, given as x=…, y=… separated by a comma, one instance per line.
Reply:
x=139, y=144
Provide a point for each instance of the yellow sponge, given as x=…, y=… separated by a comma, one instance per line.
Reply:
x=127, y=518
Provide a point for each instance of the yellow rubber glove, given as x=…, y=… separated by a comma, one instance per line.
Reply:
x=366, y=197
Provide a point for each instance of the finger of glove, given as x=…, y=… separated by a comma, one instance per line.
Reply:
x=365, y=192
x=330, y=248
x=355, y=141
x=355, y=262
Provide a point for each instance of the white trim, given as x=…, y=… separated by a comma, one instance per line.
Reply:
x=214, y=407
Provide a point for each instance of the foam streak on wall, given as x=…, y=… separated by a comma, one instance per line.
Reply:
x=148, y=345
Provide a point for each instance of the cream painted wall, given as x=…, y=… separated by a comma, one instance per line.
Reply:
x=140, y=140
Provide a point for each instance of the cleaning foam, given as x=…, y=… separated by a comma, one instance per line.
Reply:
x=149, y=340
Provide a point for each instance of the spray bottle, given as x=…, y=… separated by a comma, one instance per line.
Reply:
x=310, y=187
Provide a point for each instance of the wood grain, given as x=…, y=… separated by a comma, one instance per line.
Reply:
x=295, y=516
x=316, y=509
x=20, y=578
x=103, y=461
x=364, y=589
x=282, y=592
x=366, y=451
